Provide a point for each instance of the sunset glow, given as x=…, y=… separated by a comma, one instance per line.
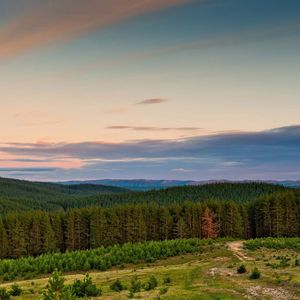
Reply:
x=150, y=89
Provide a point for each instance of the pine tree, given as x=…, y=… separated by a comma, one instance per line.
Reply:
x=48, y=236
x=209, y=227
x=231, y=222
x=35, y=236
x=181, y=228
x=3, y=240
x=58, y=230
x=276, y=216
x=55, y=287
x=96, y=228
x=165, y=221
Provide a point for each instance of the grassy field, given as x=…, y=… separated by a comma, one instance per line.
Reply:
x=209, y=275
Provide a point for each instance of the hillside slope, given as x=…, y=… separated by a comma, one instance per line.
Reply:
x=24, y=195
x=238, y=192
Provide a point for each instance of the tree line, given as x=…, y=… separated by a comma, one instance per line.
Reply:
x=238, y=192
x=32, y=233
x=16, y=195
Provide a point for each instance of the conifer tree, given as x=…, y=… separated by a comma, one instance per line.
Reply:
x=209, y=227
x=35, y=236
x=48, y=236
x=3, y=240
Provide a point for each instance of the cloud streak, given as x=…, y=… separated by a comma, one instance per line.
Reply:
x=270, y=154
x=152, y=101
x=61, y=20
x=152, y=128
x=27, y=170
x=250, y=35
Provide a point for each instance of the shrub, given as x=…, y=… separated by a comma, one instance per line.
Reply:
x=130, y=295
x=54, y=287
x=8, y=277
x=85, y=288
x=242, y=269
x=15, y=290
x=117, y=286
x=135, y=285
x=151, y=284
x=167, y=280
x=163, y=290
x=255, y=274
x=4, y=294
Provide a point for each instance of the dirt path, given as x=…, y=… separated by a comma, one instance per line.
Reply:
x=237, y=249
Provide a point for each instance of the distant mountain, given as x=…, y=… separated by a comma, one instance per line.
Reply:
x=145, y=185
x=135, y=184
x=287, y=183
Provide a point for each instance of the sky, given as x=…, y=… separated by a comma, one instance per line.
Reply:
x=155, y=89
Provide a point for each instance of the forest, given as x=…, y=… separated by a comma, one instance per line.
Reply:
x=31, y=233
x=18, y=195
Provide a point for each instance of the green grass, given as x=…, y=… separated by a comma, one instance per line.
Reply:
x=211, y=274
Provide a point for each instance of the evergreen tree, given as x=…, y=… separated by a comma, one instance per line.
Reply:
x=35, y=236
x=55, y=287
x=209, y=227
x=48, y=237
x=3, y=240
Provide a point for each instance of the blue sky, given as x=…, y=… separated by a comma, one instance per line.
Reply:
x=186, y=82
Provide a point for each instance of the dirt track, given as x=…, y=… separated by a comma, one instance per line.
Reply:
x=237, y=248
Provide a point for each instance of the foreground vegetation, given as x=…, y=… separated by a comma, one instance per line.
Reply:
x=99, y=259
x=274, y=243
x=214, y=272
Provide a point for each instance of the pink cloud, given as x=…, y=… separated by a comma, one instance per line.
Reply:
x=61, y=20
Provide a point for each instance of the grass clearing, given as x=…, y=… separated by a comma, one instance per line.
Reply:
x=208, y=275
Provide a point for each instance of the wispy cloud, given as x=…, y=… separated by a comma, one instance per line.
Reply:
x=153, y=128
x=61, y=20
x=269, y=154
x=181, y=170
x=152, y=101
x=250, y=35
x=28, y=170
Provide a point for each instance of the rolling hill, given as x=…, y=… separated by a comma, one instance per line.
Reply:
x=146, y=184
x=24, y=195
x=16, y=195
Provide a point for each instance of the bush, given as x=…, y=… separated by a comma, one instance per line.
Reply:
x=135, y=285
x=167, y=280
x=130, y=295
x=242, y=269
x=8, y=277
x=15, y=290
x=151, y=284
x=117, y=286
x=4, y=295
x=297, y=263
x=255, y=274
x=54, y=287
x=163, y=290
x=85, y=288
